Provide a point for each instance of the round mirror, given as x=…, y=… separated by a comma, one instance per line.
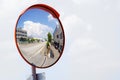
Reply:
x=39, y=36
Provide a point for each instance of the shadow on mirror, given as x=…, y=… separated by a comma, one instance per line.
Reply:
x=39, y=37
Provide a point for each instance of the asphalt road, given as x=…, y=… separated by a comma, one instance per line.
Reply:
x=36, y=53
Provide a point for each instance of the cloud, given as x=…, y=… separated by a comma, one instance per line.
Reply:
x=91, y=58
x=90, y=48
x=73, y=23
x=76, y=1
x=36, y=30
x=76, y=27
x=50, y=17
x=85, y=1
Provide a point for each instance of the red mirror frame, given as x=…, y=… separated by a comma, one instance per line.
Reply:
x=55, y=14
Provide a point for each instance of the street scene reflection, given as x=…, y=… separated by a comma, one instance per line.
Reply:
x=39, y=37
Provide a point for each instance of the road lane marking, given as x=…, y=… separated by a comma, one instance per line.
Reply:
x=37, y=52
x=44, y=61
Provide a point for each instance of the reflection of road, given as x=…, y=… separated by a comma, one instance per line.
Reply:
x=35, y=53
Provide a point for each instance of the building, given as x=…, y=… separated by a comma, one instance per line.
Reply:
x=20, y=33
x=58, y=38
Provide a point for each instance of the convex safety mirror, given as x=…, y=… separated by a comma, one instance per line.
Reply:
x=39, y=36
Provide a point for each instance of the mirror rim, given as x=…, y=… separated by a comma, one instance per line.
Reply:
x=56, y=15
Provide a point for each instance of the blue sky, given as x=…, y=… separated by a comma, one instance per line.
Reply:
x=37, y=16
x=37, y=23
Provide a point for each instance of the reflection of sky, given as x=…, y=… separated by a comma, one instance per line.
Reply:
x=37, y=23
x=37, y=16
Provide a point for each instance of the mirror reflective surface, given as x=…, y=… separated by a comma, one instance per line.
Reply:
x=39, y=37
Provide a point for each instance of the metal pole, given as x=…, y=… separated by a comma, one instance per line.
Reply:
x=34, y=73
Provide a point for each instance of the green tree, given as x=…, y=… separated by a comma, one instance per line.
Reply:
x=49, y=37
x=32, y=40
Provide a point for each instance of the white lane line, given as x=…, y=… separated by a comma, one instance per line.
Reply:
x=44, y=61
x=37, y=52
